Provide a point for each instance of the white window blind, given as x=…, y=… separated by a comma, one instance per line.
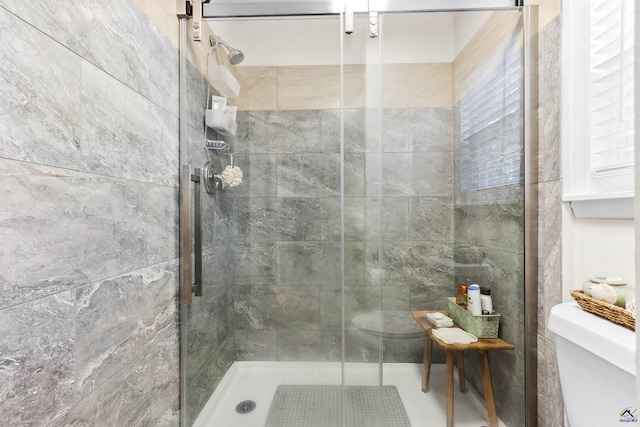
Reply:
x=611, y=148
x=491, y=127
x=598, y=107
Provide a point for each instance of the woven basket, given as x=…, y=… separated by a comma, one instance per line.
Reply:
x=603, y=309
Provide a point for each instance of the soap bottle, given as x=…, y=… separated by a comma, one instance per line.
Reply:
x=461, y=296
x=473, y=300
x=485, y=301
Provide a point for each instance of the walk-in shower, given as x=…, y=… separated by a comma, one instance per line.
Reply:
x=382, y=164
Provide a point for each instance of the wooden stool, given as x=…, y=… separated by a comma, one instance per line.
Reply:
x=482, y=346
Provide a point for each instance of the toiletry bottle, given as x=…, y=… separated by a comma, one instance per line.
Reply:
x=461, y=296
x=485, y=301
x=473, y=300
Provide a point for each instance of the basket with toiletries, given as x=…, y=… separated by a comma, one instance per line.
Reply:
x=482, y=326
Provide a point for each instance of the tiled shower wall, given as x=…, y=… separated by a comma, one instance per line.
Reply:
x=287, y=216
x=489, y=222
x=89, y=213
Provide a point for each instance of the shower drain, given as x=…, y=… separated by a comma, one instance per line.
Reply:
x=245, y=406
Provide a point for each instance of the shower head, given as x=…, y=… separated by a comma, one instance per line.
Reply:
x=235, y=55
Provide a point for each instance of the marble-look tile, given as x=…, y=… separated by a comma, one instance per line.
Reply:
x=395, y=219
x=163, y=70
x=485, y=51
x=123, y=400
x=119, y=319
x=197, y=100
x=549, y=391
x=113, y=36
x=224, y=316
x=424, y=267
x=361, y=130
x=163, y=358
x=507, y=371
x=278, y=132
x=96, y=236
x=269, y=219
x=249, y=307
x=309, y=264
x=431, y=218
x=255, y=264
x=202, y=384
x=124, y=134
x=354, y=218
x=548, y=10
x=171, y=417
x=309, y=346
x=224, y=225
x=218, y=271
x=259, y=177
x=41, y=109
x=549, y=113
x=396, y=130
x=162, y=16
x=36, y=360
x=308, y=175
x=493, y=225
x=549, y=218
x=417, y=85
x=202, y=335
x=432, y=130
x=411, y=174
x=292, y=307
x=258, y=345
x=309, y=87
x=259, y=88
x=502, y=272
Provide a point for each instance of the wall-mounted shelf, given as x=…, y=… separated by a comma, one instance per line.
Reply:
x=219, y=121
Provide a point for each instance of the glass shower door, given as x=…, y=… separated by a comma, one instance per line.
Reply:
x=350, y=215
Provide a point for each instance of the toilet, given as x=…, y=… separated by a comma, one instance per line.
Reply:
x=597, y=367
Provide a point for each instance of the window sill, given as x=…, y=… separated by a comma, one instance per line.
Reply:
x=609, y=208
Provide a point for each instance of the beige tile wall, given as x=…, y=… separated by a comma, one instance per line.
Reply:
x=318, y=87
x=496, y=33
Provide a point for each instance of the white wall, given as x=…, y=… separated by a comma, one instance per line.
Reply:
x=595, y=247
x=407, y=38
x=465, y=26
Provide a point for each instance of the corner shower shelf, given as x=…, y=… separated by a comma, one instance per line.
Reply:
x=219, y=121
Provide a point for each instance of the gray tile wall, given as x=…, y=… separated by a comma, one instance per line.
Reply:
x=209, y=320
x=489, y=251
x=89, y=216
x=550, y=408
x=287, y=226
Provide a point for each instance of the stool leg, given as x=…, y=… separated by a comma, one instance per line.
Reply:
x=463, y=383
x=488, y=389
x=426, y=364
x=450, y=387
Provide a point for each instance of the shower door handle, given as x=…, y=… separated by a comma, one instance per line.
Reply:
x=188, y=288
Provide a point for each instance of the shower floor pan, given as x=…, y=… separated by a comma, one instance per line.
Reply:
x=258, y=381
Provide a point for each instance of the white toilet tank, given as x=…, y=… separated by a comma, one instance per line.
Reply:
x=597, y=366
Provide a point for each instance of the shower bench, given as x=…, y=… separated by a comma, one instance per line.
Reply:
x=482, y=346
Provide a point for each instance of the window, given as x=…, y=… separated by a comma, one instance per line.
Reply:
x=491, y=130
x=598, y=112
